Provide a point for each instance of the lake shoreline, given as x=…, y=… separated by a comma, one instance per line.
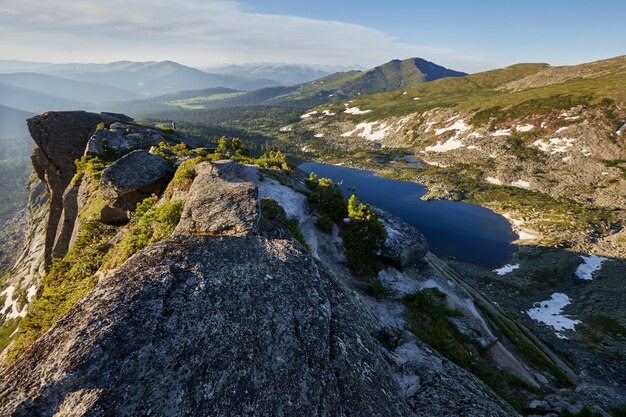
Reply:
x=457, y=229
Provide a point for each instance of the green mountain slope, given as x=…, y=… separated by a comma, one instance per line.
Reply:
x=556, y=131
x=343, y=85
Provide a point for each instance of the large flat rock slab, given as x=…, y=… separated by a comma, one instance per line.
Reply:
x=139, y=171
x=215, y=206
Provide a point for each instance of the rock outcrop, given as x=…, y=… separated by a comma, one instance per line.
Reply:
x=129, y=180
x=120, y=138
x=404, y=247
x=61, y=138
x=218, y=206
x=203, y=325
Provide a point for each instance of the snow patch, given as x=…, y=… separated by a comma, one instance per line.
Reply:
x=501, y=132
x=522, y=235
x=10, y=308
x=328, y=112
x=355, y=110
x=506, y=269
x=368, y=131
x=286, y=129
x=307, y=115
x=436, y=164
x=319, y=135
x=591, y=264
x=492, y=180
x=550, y=312
x=459, y=126
x=449, y=145
x=429, y=125
x=521, y=184
x=416, y=98
x=31, y=293
x=619, y=131
x=525, y=128
x=561, y=129
x=554, y=145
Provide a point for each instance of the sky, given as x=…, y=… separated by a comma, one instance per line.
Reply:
x=464, y=35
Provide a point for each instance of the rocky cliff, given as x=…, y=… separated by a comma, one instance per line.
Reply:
x=193, y=300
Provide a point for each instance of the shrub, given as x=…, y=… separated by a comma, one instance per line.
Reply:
x=326, y=197
x=273, y=160
x=428, y=315
x=517, y=147
x=363, y=239
x=273, y=211
x=324, y=223
x=618, y=411
x=88, y=165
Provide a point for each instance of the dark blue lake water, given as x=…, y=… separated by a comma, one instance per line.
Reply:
x=468, y=232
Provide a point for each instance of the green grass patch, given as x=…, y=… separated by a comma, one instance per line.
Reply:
x=606, y=325
x=152, y=225
x=534, y=106
x=68, y=281
x=91, y=166
x=6, y=330
x=428, y=315
x=183, y=177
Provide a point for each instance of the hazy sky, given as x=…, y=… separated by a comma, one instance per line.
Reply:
x=464, y=35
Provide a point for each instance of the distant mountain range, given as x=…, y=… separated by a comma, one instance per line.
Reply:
x=283, y=74
x=139, y=78
x=338, y=86
x=13, y=121
x=140, y=88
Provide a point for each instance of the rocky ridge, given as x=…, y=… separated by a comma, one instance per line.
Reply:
x=289, y=331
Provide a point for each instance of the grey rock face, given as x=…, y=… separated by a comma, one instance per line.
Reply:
x=121, y=138
x=134, y=177
x=66, y=222
x=138, y=170
x=216, y=206
x=404, y=246
x=61, y=138
x=201, y=325
x=434, y=386
x=227, y=169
